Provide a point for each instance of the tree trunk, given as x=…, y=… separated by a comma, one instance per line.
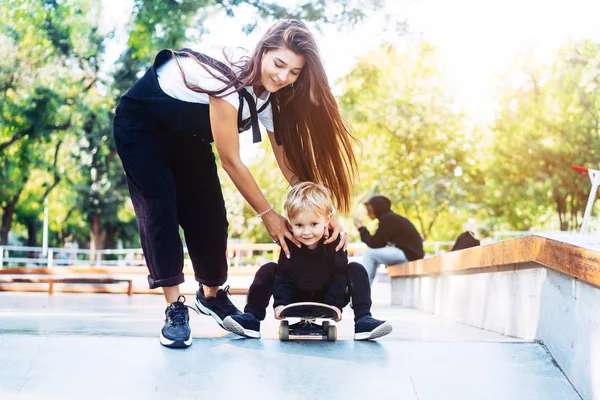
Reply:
x=96, y=235
x=564, y=225
x=32, y=229
x=561, y=208
x=109, y=241
x=8, y=213
x=7, y=218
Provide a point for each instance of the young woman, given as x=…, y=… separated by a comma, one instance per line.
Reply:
x=164, y=126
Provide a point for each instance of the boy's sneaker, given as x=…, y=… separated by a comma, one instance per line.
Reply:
x=218, y=307
x=368, y=328
x=245, y=324
x=176, y=331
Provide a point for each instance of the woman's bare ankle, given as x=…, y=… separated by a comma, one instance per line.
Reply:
x=171, y=293
x=210, y=291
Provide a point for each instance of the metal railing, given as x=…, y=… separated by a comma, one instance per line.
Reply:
x=238, y=254
x=56, y=256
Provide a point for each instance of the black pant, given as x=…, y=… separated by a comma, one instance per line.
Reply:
x=261, y=290
x=173, y=182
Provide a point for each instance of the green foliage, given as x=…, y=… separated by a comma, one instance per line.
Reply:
x=43, y=61
x=548, y=122
x=160, y=24
x=415, y=146
x=331, y=12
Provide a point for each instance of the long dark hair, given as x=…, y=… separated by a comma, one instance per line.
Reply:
x=316, y=140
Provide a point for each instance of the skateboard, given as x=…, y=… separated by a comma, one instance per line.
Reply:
x=308, y=327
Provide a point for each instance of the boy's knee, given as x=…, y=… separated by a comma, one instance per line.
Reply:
x=268, y=269
x=355, y=268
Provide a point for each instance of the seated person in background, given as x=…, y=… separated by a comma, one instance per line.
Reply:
x=396, y=240
x=314, y=272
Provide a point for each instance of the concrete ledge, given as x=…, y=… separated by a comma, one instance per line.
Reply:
x=531, y=288
x=579, y=262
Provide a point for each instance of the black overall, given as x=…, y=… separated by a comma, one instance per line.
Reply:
x=164, y=145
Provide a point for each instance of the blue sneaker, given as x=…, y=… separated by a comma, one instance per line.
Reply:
x=176, y=332
x=245, y=324
x=369, y=328
x=218, y=307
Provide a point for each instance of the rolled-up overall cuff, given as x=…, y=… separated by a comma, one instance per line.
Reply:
x=167, y=282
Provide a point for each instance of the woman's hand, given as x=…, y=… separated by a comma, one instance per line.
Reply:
x=337, y=231
x=279, y=228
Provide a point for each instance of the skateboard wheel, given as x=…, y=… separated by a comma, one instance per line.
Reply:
x=332, y=333
x=325, y=325
x=284, y=331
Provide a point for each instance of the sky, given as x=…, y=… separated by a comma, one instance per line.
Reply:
x=476, y=39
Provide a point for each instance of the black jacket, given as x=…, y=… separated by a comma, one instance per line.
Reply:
x=311, y=275
x=393, y=229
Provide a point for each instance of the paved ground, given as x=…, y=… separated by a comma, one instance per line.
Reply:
x=78, y=346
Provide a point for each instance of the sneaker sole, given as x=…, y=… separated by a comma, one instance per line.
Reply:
x=381, y=330
x=230, y=325
x=207, y=311
x=175, y=344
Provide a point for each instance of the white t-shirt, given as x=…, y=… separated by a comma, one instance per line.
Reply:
x=171, y=82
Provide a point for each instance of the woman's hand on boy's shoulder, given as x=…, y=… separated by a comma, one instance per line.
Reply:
x=337, y=232
x=335, y=246
x=291, y=246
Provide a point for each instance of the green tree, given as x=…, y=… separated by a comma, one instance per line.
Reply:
x=45, y=63
x=415, y=148
x=548, y=121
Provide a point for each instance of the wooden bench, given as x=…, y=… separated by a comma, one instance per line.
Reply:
x=51, y=277
x=100, y=276
x=83, y=274
x=96, y=281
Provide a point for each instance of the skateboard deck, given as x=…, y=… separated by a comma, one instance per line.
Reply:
x=308, y=327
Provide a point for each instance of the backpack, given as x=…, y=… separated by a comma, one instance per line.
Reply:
x=464, y=241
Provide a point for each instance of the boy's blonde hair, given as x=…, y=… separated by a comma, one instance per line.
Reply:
x=308, y=196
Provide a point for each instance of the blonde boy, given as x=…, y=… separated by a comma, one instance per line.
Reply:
x=314, y=272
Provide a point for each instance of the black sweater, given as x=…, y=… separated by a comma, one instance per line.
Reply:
x=398, y=231
x=311, y=275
